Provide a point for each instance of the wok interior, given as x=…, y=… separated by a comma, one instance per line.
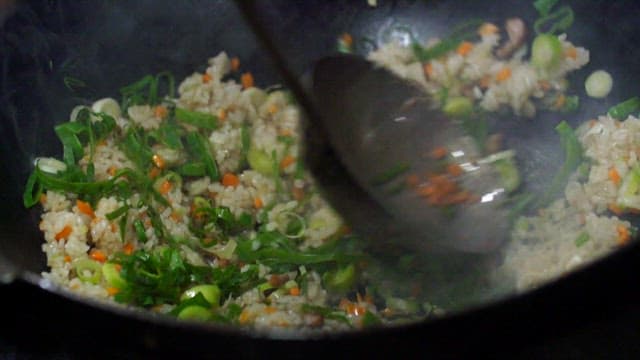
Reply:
x=107, y=45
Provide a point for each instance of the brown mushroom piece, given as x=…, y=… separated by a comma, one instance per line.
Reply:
x=517, y=32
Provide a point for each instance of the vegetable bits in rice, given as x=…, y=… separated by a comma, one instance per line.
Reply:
x=198, y=205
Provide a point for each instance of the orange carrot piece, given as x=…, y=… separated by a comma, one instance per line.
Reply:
x=412, y=180
x=112, y=290
x=128, y=249
x=85, y=208
x=503, y=74
x=246, y=80
x=257, y=203
x=112, y=170
x=294, y=291
x=67, y=258
x=464, y=48
x=485, y=81
x=160, y=111
x=286, y=161
x=64, y=233
x=158, y=161
x=428, y=69
x=298, y=193
x=98, y=255
x=229, y=179
x=571, y=52
x=43, y=199
x=487, y=29
x=222, y=114
x=347, y=39
x=165, y=187
x=273, y=108
x=154, y=172
x=614, y=208
x=235, y=64
x=614, y=176
x=439, y=152
x=454, y=170
x=206, y=78
x=623, y=235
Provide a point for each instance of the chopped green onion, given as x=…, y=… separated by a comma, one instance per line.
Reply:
x=197, y=118
x=509, y=174
x=260, y=162
x=546, y=51
x=195, y=313
x=622, y=110
x=571, y=104
x=599, y=84
x=210, y=292
x=582, y=239
x=370, y=319
x=140, y=230
x=555, y=22
x=461, y=33
x=199, y=148
x=458, y=107
x=544, y=6
x=112, y=276
x=117, y=212
x=390, y=174
x=573, y=156
x=340, y=280
x=192, y=169
x=629, y=193
x=88, y=270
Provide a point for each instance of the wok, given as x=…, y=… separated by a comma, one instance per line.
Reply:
x=107, y=44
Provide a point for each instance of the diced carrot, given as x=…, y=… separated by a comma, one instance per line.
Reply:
x=67, y=258
x=112, y=170
x=112, y=290
x=285, y=132
x=85, y=208
x=154, y=172
x=544, y=85
x=257, y=202
x=273, y=108
x=247, y=80
x=592, y=123
x=165, y=187
x=571, y=52
x=128, y=249
x=560, y=101
x=454, y=169
x=428, y=69
x=503, y=74
x=113, y=227
x=235, y=64
x=158, y=161
x=623, y=235
x=64, y=233
x=614, y=176
x=160, y=111
x=464, y=48
x=485, y=81
x=487, y=29
x=175, y=216
x=412, y=180
x=614, y=208
x=298, y=193
x=347, y=39
x=244, y=317
x=439, y=152
x=270, y=309
x=294, y=291
x=222, y=114
x=230, y=179
x=98, y=255
x=206, y=78
x=43, y=199
x=286, y=161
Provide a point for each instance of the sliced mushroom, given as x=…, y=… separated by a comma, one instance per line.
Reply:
x=517, y=32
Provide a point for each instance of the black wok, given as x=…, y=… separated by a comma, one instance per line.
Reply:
x=108, y=44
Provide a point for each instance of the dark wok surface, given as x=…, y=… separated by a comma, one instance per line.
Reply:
x=108, y=44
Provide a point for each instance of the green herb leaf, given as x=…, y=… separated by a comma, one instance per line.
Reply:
x=197, y=119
